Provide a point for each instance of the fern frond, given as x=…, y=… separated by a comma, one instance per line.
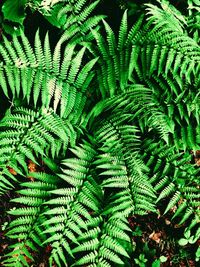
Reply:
x=27, y=135
x=76, y=21
x=123, y=171
x=27, y=226
x=104, y=246
x=75, y=202
x=166, y=16
x=33, y=74
x=123, y=32
x=174, y=179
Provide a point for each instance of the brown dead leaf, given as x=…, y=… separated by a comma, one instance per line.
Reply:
x=155, y=236
x=197, y=161
x=174, y=209
x=167, y=222
x=12, y=171
x=28, y=260
x=196, y=156
x=178, y=225
x=48, y=249
x=32, y=166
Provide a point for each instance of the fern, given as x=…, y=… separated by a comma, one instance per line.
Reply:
x=71, y=17
x=27, y=229
x=114, y=117
x=38, y=75
x=26, y=134
x=123, y=170
x=105, y=244
x=175, y=179
x=74, y=203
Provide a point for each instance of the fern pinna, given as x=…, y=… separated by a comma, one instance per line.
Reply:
x=115, y=119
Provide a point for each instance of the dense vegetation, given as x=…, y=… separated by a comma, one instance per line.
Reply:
x=100, y=133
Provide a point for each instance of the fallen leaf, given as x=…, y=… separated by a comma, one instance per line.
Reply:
x=12, y=171
x=167, y=222
x=32, y=166
x=155, y=237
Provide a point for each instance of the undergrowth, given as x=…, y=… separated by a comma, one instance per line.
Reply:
x=99, y=132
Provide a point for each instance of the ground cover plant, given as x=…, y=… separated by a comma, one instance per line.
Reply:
x=99, y=133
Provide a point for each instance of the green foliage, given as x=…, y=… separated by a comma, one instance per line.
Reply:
x=72, y=17
x=14, y=13
x=194, y=19
x=115, y=119
x=141, y=260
